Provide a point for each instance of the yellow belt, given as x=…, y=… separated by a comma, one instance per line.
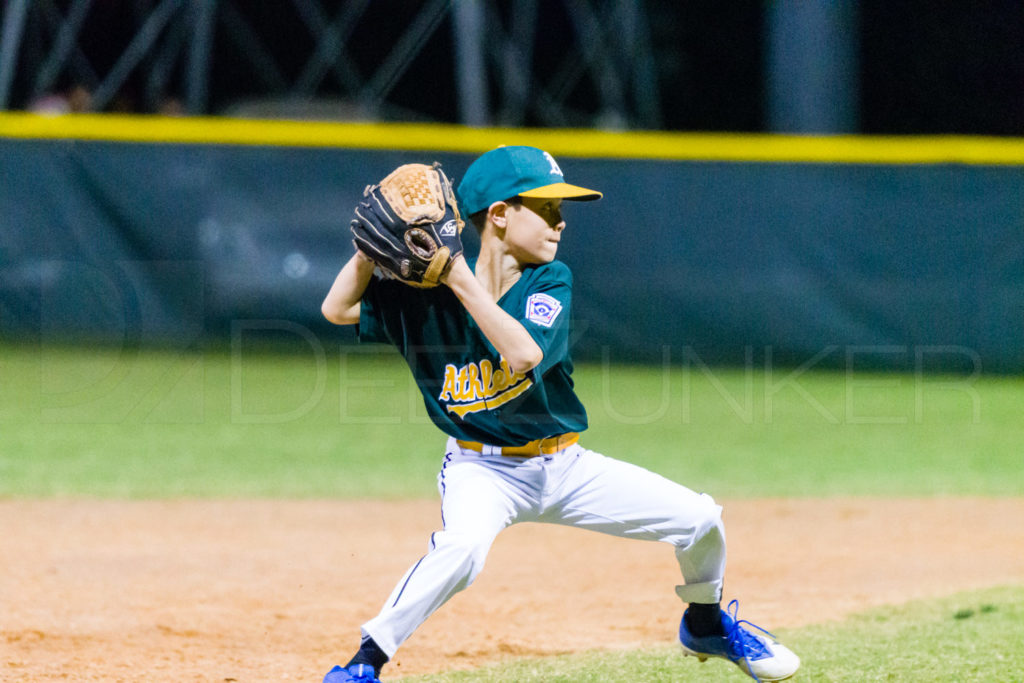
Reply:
x=547, y=446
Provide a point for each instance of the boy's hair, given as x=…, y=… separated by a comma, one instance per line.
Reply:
x=479, y=221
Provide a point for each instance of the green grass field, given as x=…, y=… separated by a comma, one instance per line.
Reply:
x=350, y=424
x=967, y=637
x=130, y=424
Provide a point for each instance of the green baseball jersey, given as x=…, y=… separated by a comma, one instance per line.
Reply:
x=468, y=388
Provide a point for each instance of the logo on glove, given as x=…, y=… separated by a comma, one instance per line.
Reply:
x=449, y=229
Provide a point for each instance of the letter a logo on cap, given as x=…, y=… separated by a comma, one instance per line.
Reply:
x=554, y=164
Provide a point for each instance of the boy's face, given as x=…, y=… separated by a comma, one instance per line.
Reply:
x=533, y=229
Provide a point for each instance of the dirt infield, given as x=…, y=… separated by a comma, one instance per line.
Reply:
x=272, y=591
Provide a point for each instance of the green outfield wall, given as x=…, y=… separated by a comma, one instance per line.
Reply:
x=902, y=253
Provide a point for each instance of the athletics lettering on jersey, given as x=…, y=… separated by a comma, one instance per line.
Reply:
x=480, y=386
x=467, y=390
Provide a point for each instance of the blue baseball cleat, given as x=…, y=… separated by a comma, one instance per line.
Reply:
x=759, y=655
x=357, y=673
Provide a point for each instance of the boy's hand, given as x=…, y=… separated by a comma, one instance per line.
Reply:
x=457, y=268
x=409, y=225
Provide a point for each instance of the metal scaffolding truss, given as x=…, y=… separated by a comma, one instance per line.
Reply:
x=497, y=77
x=608, y=49
x=44, y=41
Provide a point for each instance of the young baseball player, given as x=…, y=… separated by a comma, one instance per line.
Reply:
x=489, y=349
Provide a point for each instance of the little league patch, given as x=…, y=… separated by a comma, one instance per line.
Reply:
x=542, y=309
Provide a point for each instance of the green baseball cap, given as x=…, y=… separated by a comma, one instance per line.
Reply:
x=515, y=171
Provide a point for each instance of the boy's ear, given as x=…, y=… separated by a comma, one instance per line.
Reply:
x=498, y=214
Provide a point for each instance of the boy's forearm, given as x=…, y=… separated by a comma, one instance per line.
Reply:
x=341, y=305
x=506, y=333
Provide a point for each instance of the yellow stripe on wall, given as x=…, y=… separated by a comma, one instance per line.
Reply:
x=565, y=142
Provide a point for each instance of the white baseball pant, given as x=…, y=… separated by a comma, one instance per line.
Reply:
x=483, y=493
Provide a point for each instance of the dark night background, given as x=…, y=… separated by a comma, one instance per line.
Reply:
x=924, y=66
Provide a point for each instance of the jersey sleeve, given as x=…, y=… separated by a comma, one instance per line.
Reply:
x=392, y=312
x=373, y=326
x=546, y=313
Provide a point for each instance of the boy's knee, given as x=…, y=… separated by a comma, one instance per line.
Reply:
x=708, y=512
x=698, y=519
x=467, y=549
